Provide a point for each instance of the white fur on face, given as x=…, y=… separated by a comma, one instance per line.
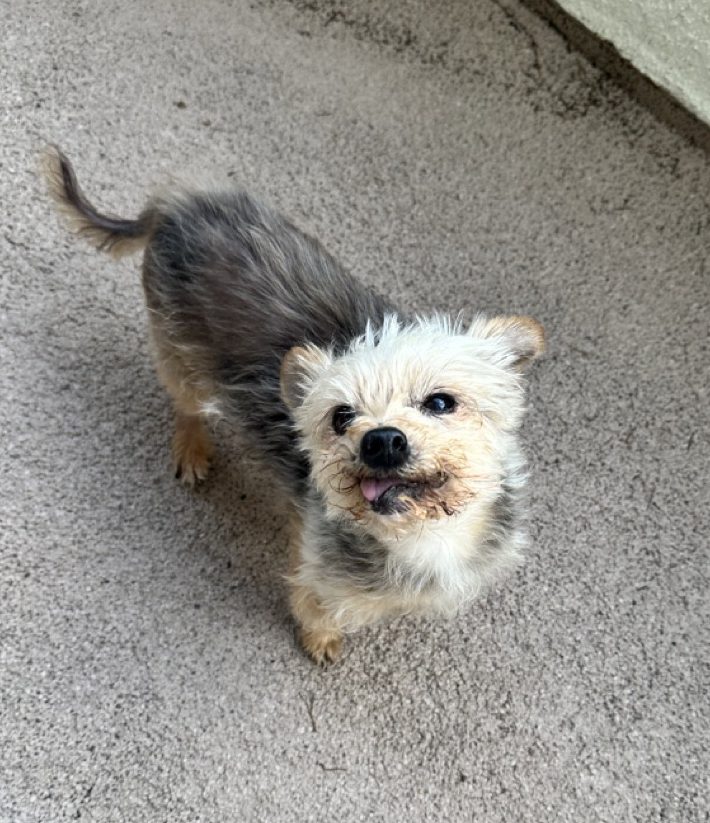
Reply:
x=385, y=377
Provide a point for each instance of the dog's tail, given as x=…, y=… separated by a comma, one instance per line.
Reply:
x=104, y=231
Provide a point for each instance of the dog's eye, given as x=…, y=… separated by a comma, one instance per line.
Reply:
x=343, y=416
x=439, y=403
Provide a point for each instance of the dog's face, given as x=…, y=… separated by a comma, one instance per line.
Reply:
x=411, y=423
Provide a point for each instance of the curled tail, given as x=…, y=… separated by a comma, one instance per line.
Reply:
x=104, y=231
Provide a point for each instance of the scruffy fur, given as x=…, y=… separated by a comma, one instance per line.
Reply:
x=253, y=320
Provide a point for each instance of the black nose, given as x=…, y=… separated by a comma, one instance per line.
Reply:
x=384, y=448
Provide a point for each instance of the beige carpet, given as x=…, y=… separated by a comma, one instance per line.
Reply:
x=456, y=155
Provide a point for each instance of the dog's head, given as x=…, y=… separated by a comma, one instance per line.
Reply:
x=411, y=422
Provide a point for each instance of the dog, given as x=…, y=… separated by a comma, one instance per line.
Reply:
x=394, y=438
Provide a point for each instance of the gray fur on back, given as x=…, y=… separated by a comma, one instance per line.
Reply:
x=236, y=285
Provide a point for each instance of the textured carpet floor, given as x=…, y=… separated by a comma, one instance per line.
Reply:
x=456, y=155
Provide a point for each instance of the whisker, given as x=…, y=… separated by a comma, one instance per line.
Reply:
x=345, y=489
x=331, y=463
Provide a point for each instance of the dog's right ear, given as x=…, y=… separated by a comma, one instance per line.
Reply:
x=299, y=368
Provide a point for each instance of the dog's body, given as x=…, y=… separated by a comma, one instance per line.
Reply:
x=396, y=444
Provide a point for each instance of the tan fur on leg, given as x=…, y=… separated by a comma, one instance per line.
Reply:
x=318, y=633
x=192, y=446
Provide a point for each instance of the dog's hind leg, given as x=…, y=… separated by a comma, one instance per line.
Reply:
x=192, y=445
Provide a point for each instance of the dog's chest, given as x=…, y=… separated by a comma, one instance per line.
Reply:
x=438, y=561
x=436, y=564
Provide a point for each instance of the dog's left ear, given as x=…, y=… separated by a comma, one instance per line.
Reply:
x=299, y=368
x=522, y=339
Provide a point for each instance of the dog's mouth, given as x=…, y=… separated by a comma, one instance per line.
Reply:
x=387, y=495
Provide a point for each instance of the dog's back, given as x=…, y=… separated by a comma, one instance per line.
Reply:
x=234, y=285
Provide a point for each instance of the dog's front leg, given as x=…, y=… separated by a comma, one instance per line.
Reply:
x=318, y=632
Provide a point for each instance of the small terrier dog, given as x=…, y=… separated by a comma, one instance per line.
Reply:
x=396, y=440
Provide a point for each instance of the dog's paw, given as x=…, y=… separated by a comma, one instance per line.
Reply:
x=191, y=457
x=192, y=469
x=323, y=647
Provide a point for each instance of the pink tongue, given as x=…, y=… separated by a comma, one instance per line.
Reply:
x=372, y=489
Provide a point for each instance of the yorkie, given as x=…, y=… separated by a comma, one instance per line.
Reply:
x=395, y=438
